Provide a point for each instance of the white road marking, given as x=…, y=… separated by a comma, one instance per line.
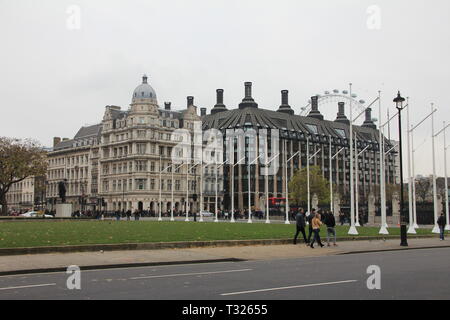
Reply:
x=291, y=287
x=189, y=274
x=30, y=286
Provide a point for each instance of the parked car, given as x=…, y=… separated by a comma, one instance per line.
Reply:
x=207, y=214
x=35, y=214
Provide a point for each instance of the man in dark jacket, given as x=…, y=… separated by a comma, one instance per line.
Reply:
x=441, y=223
x=330, y=222
x=301, y=223
x=310, y=218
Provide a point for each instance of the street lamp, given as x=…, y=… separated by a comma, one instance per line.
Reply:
x=267, y=183
x=160, y=187
x=308, y=159
x=403, y=232
x=413, y=173
x=331, y=158
x=287, y=183
x=357, y=154
x=436, y=227
x=217, y=191
x=249, y=189
x=232, y=188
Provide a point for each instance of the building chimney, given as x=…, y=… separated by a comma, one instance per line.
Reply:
x=368, y=123
x=285, y=107
x=56, y=140
x=315, y=113
x=248, y=101
x=341, y=117
x=190, y=101
x=219, y=107
x=167, y=105
x=202, y=112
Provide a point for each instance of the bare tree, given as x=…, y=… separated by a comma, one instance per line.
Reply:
x=19, y=159
x=423, y=188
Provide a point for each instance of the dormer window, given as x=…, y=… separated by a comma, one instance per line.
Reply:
x=313, y=128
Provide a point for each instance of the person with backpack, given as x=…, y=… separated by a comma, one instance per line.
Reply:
x=300, y=223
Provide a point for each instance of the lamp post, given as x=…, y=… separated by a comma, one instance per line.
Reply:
x=232, y=189
x=403, y=232
x=436, y=228
x=413, y=174
x=433, y=136
x=411, y=229
x=249, y=190
x=357, y=154
x=331, y=158
x=384, y=225
x=287, y=184
x=217, y=191
x=160, y=187
x=267, y=183
x=447, y=227
x=308, y=159
x=352, y=230
x=383, y=229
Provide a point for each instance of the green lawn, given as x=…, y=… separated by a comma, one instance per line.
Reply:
x=41, y=233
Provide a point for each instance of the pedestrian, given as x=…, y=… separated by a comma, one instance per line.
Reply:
x=316, y=224
x=330, y=222
x=341, y=218
x=301, y=223
x=136, y=215
x=128, y=215
x=441, y=223
x=310, y=217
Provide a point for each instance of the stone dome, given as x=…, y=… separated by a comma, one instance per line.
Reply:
x=144, y=93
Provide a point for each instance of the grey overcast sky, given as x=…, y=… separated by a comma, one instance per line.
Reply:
x=55, y=78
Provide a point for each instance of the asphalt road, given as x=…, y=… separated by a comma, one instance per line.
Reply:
x=413, y=274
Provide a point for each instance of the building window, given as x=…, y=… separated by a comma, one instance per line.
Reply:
x=141, y=148
x=141, y=184
x=312, y=128
x=152, y=184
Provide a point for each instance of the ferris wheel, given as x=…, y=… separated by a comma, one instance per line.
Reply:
x=335, y=96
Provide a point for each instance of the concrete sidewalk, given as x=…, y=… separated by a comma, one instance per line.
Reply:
x=21, y=264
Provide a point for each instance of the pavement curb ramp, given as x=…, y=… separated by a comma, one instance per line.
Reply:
x=173, y=245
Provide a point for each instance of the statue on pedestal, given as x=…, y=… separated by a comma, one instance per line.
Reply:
x=62, y=190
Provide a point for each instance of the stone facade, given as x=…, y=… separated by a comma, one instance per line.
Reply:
x=117, y=164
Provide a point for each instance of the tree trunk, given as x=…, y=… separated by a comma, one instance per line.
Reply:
x=4, y=204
